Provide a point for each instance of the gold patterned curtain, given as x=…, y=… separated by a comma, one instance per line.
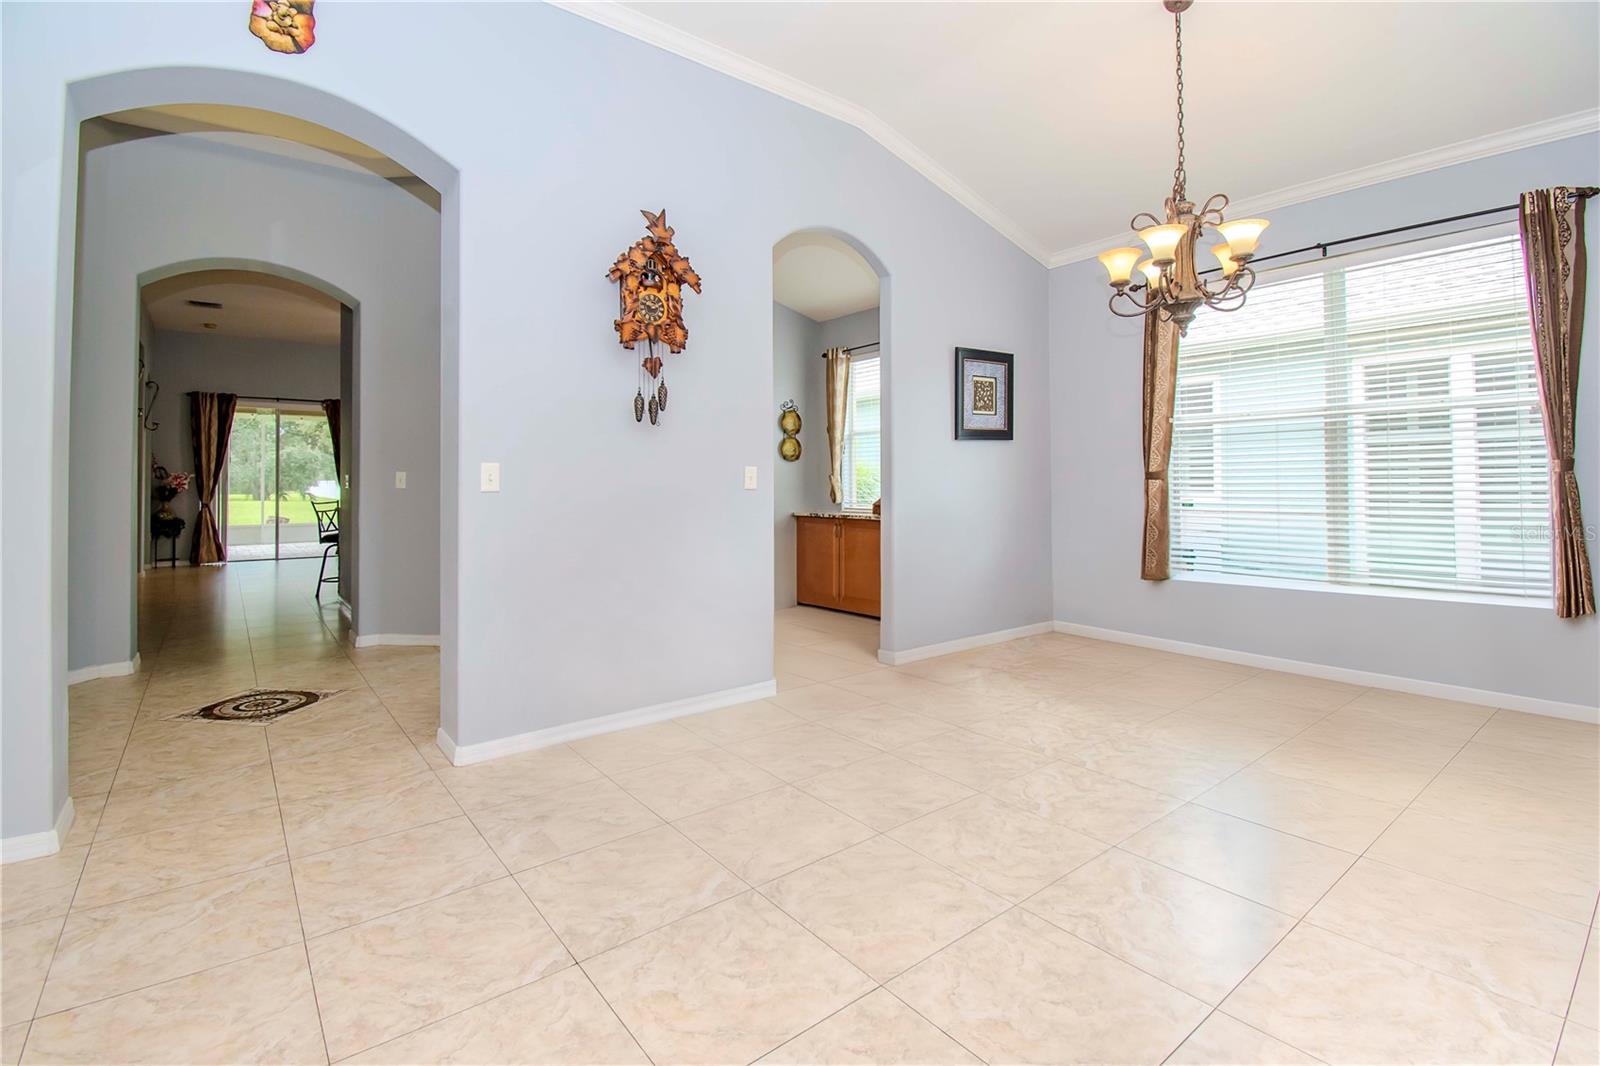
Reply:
x=838, y=360
x=1551, y=221
x=210, y=426
x=1160, y=374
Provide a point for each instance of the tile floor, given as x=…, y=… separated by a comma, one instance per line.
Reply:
x=1052, y=850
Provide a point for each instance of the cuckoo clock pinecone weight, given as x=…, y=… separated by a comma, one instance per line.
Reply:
x=651, y=276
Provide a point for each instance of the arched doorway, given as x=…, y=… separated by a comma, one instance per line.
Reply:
x=37, y=805
x=833, y=544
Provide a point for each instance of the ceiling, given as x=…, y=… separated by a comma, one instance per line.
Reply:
x=1054, y=121
x=253, y=305
x=822, y=277
x=268, y=131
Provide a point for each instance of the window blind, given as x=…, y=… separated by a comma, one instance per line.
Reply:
x=862, y=442
x=1376, y=423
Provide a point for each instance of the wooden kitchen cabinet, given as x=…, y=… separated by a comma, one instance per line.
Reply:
x=837, y=563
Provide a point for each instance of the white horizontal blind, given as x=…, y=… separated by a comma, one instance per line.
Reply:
x=862, y=463
x=1374, y=424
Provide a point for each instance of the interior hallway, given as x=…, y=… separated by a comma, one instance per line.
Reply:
x=1050, y=850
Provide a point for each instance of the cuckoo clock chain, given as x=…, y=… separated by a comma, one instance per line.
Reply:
x=651, y=276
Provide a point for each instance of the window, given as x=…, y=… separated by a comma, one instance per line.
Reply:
x=862, y=463
x=1373, y=424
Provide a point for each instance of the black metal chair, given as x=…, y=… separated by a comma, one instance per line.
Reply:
x=327, y=512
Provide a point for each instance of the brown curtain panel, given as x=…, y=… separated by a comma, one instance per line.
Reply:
x=210, y=426
x=838, y=360
x=1551, y=221
x=1160, y=374
x=331, y=409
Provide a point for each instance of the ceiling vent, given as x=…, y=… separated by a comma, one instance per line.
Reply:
x=212, y=304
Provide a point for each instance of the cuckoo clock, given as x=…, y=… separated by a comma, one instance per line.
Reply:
x=651, y=276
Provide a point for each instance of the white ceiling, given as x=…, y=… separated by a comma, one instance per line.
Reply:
x=253, y=305
x=822, y=277
x=1054, y=121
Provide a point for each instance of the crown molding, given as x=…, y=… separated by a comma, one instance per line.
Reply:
x=640, y=26
x=1535, y=133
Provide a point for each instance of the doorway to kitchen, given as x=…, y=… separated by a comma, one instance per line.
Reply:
x=280, y=468
x=829, y=482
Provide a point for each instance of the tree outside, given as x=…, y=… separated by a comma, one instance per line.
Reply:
x=257, y=469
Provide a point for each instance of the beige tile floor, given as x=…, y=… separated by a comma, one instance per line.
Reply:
x=1053, y=850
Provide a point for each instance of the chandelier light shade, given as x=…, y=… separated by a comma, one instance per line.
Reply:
x=1119, y=263
x=1172, y=286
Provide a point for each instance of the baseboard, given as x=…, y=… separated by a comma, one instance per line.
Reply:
x=1416, y=686
x=90, y=673
x=929, y=651
x=346, y=611
x=464, y=754
x=38, y=845
x=420, y=640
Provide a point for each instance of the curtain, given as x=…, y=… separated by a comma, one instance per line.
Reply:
x=1551, y=221
x=1160, y=374
x=210, y=425
x=838, y=404
x=331, y=409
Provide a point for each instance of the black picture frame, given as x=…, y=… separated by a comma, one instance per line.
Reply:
x=963, y=431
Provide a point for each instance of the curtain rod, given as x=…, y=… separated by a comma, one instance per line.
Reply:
x=278, y=399
x=1323, y=246
x=857, y=348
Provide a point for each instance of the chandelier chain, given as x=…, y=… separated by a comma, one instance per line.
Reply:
x=1180, y=177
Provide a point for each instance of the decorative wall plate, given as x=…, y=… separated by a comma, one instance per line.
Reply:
x=789, y=422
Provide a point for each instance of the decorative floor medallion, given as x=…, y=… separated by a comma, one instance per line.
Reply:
x=257, y=705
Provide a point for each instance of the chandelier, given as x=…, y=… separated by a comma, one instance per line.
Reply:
x=1172, y=288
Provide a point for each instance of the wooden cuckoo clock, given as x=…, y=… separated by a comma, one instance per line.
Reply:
x=650, y=276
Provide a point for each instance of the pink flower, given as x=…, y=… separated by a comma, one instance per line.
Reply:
x=179, y=482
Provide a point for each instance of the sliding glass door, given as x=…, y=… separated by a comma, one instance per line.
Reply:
x=280, y=458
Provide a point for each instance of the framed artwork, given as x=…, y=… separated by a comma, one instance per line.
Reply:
x=983, y=395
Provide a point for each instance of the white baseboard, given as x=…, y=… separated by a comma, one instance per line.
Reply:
x=929, y=651
x=1417, y=686
x=464, y=754
x=90, y=673
x=38, y=845
x=419, y=640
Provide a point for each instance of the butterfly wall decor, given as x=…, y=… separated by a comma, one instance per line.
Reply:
x=651, y=276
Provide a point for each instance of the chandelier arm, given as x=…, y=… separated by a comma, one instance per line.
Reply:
x=1135, y=224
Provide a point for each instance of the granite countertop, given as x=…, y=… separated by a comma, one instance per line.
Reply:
x=837, y=514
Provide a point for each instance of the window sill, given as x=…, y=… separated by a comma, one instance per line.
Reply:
x=1378, y=591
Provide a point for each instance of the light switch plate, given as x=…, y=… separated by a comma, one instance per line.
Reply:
x=399, y=479
x=489, y=477
x=749, y=477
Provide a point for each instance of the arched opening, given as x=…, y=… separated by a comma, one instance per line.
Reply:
x=832, y=503
x=41, y=807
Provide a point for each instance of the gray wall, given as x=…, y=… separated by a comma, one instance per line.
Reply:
x=358, y=233
x=1097, y=484
x=803, y=484
x=606, y=535
x=246, y=366
x=849, y=331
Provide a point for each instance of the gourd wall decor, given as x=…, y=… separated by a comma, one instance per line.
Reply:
x=650, y=276
x=789, y=422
